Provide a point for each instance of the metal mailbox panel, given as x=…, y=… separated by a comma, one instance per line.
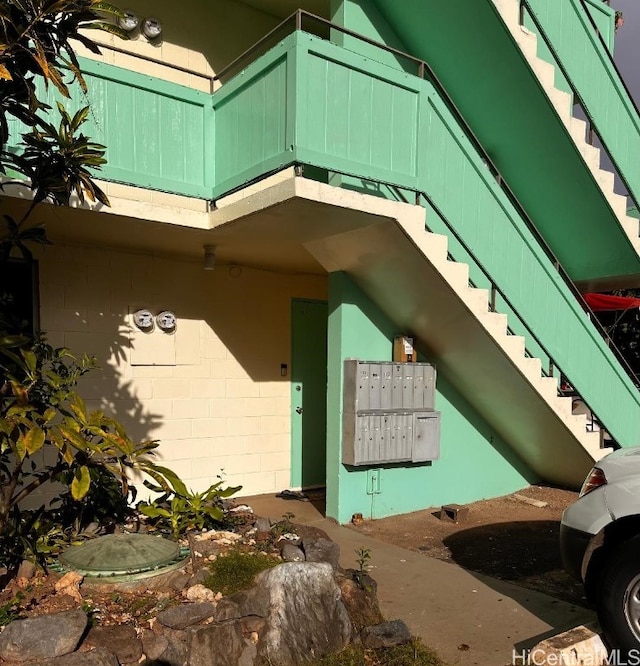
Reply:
x=385, y=413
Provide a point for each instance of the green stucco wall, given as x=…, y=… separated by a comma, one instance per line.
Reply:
x=474, y=462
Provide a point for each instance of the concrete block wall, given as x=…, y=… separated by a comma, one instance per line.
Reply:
x=213, y=394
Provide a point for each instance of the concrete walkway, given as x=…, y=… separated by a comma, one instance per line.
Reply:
x=467, y=618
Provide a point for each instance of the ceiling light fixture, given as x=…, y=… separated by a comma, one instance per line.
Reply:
x=209, y=257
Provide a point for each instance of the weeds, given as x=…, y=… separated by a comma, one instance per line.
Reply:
x=409, y=654
x=363, y=555
x=11, y=610
x=236, y=571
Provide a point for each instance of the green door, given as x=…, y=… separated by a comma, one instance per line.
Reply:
x=308, y=393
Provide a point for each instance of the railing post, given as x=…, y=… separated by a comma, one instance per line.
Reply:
x=492, y=298
x=521, y=14
x=299, y=19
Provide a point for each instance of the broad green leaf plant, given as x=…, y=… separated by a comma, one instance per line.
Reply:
x=40, y=409
x=180, y=510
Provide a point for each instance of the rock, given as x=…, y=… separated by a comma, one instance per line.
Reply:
x=176, y=580
x=289, y=538
x=26, y=570
x=222, y=645
x=255, y=601
x=122, y=640
x=306, y=615
x=97, y=657
x=207, y=548
x=310, y=533
x=154, y=646
x=361, y=603
x=363, y=579
x=185, y=615
x=386, y=634
x=321, y=550
x=5, y=577
x=42, y=637
x=291, y=553
x=199, y=577
x=200, y=593
x=69, y=584
x=262, y=524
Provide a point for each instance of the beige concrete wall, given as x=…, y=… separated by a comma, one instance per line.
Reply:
x=200, y=36
x=212, y=393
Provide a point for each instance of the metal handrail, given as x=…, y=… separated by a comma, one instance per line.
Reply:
x=574, y=89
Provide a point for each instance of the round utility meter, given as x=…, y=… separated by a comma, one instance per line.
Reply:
x=143, y=319
x=166, y=321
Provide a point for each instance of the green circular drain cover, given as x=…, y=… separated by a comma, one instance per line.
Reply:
x=121, y=554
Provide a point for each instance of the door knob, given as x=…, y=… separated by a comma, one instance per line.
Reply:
x=299, y=410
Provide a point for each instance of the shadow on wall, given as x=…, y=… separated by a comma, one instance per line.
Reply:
x=233, y=333
x=218, y=31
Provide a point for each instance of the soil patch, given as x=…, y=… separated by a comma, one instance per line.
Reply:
x=504, y=537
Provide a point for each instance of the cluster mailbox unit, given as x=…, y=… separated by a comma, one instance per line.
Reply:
x=388, y=413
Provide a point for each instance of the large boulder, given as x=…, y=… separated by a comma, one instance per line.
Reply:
x=42, y=637
x=306, y=618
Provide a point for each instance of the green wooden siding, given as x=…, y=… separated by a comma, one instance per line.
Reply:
x=364, y=120
x=157, y=133
x=604, y=17
x=590, y=70
x=251, y=120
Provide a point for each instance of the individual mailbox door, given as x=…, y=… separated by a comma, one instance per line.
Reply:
x=397, y=375
x=426, y=436
x=386, y=387
x=407, y=386
x=375, y=382
x=362, y=386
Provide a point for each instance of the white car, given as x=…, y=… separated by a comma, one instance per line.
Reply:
x=600, y=545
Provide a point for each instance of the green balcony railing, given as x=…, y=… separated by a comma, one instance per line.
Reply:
x=158, y=134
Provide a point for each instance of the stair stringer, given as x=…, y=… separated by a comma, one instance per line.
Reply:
x=399, y=256
x=509, y=10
